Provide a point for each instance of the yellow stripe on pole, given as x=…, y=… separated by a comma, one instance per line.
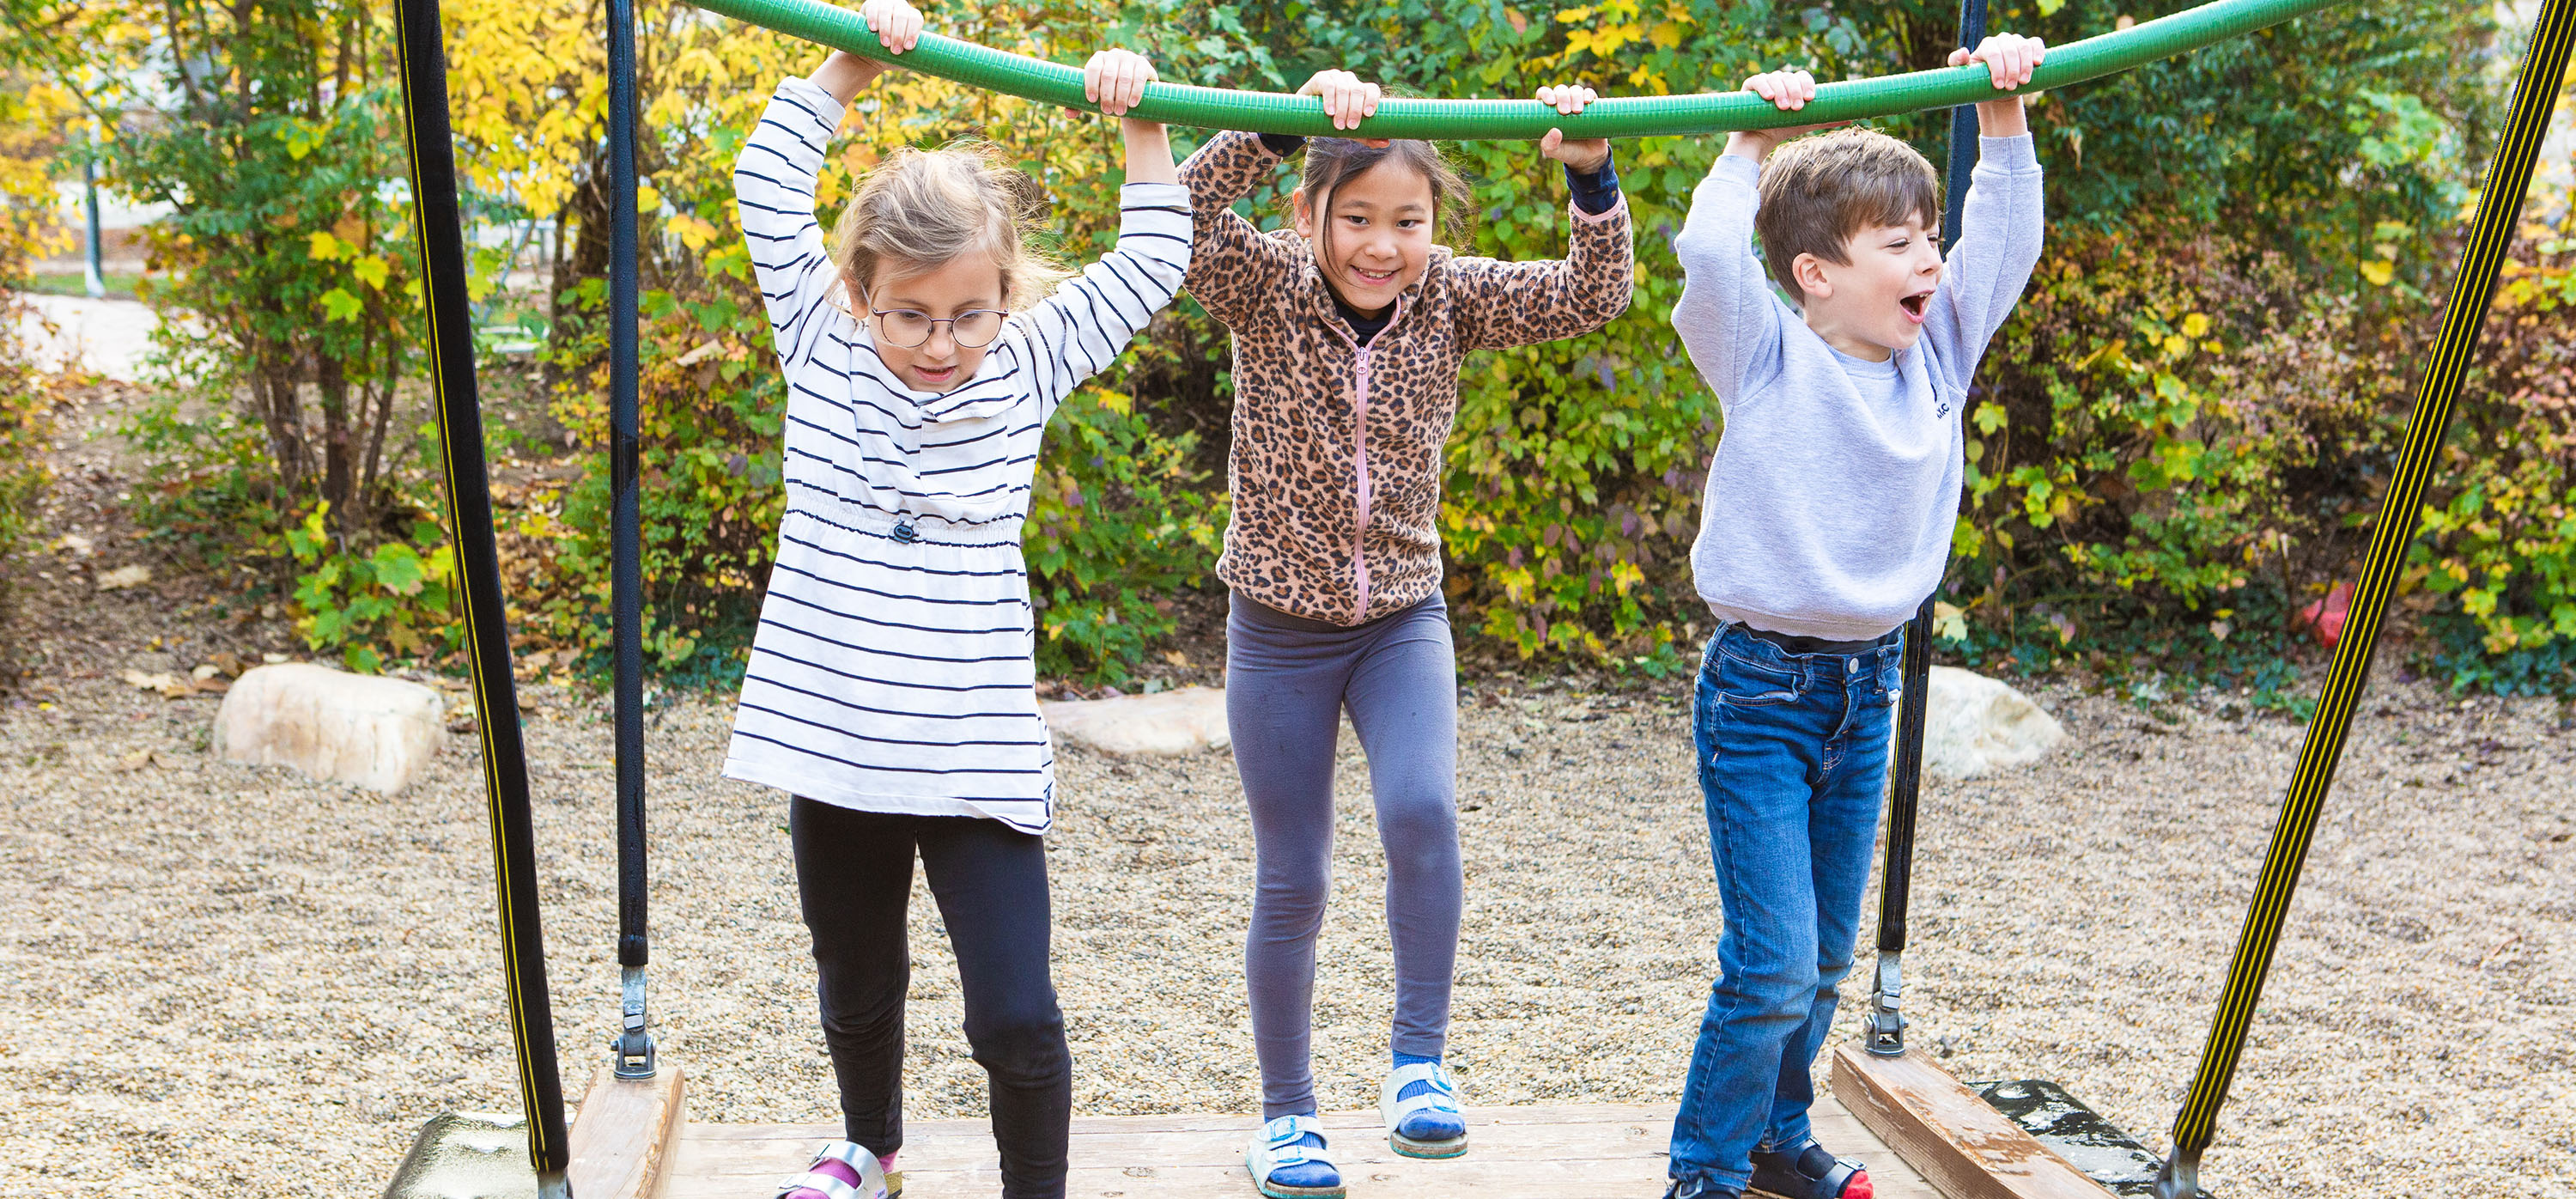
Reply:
x=2491, y=232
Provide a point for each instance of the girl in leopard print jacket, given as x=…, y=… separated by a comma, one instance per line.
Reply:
x=1349, y=331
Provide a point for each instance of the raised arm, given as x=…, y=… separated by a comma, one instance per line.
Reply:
x=2000, y=233
x=2004, y=220
x=1522, y=303
x=1727, y=317
x=1232, y=266
x=1084, y=326
x=773, y=184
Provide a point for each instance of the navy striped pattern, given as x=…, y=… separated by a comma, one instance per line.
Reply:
x=892, y=672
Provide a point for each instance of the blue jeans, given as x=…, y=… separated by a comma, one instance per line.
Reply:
x=1793, y=752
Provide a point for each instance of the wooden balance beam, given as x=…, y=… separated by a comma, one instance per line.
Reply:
x=623, y=1134
x=1940, y=1127
x=1595, y=1151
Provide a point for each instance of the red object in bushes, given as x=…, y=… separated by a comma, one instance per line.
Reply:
x=2326, y=616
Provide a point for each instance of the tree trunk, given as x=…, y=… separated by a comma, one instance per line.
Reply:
x=585, y=223
x=331, y=387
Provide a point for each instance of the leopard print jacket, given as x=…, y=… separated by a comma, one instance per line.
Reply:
x=1337, y=459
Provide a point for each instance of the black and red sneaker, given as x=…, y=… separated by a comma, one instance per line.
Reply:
x=1808, y=1172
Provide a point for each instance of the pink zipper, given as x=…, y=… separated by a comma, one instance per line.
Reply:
x=1359, y=543
x=1359, y=410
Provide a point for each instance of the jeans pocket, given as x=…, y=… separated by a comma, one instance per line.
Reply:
x=1744, y=683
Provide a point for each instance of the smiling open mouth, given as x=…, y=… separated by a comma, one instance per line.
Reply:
x=1372, y=278
x=1916, y=304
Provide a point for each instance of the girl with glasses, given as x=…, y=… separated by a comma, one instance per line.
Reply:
x=890, y=688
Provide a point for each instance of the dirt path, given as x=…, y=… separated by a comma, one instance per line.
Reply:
x=108, y=336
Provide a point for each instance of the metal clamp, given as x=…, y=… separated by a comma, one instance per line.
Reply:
x=2180, y=1178
x=634, y=1047
x=1886, y=1034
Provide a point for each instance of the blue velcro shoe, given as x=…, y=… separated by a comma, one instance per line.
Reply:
x=1420, y=1106
x=1287, y=1160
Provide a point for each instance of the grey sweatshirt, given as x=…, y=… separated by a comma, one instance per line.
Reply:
x=1832, y=498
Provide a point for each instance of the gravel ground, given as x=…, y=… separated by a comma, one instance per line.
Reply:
x=235, y=981
x=224, y=981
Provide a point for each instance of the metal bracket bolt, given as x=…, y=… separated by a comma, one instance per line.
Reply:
x=1886, y=1033
x=634, y=1047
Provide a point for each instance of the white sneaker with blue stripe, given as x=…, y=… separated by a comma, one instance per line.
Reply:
x=1420, y=1106
x=1287, y=1160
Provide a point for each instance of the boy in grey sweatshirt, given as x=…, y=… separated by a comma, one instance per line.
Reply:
x=1827, y=522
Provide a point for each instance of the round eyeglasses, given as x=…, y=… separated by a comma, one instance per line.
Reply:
x=906, y=328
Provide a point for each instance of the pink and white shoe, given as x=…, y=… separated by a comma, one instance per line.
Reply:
x=844, y=1170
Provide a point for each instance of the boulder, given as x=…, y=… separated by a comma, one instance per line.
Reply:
x=1167, y=722
x=374, y=732
x=1974, y=725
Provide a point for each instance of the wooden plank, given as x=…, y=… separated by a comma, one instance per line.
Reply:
x=1660, y=1115
x=1960, y=1143
x=623, y=1135
x=1605, y=1151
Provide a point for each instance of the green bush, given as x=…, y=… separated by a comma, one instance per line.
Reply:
x=2176, y=443
x=31, y=121
x=26, y=431
x=287, y=278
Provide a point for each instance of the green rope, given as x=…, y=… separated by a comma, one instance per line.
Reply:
x=1622, y=116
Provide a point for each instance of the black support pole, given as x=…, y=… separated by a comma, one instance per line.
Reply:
x=2491, y=229
x=478, y=563
x=634, y=1050
x=1886, y=1036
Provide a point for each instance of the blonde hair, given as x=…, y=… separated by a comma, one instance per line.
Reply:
x=922, y=209
x=1819, y=191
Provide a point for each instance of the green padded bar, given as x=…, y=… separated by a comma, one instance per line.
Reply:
x=1623, y=116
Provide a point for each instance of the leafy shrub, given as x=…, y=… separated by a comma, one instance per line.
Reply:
x=31, y=116
x=394, y=598
x=289, y=258
x=1122, y=520
x=2176, y=443
x=2497, y=559
x=26, y=427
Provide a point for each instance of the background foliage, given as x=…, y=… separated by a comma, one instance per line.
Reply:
x=31, y=114
x=2176, y=444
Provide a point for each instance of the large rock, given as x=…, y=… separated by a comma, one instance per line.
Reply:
x=375, y=732
x=1168, y=722
x=1975, y=725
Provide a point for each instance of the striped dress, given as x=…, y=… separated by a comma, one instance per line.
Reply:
x=892, y=668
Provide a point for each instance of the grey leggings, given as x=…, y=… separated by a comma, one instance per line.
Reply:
x=1288, y=679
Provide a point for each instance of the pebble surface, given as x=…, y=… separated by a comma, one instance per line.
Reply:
x=219, y=980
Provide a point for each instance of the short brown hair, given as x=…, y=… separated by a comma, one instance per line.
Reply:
x=1819, y=191
x=922, y=208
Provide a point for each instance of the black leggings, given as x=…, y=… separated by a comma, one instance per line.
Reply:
x=854, y=878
